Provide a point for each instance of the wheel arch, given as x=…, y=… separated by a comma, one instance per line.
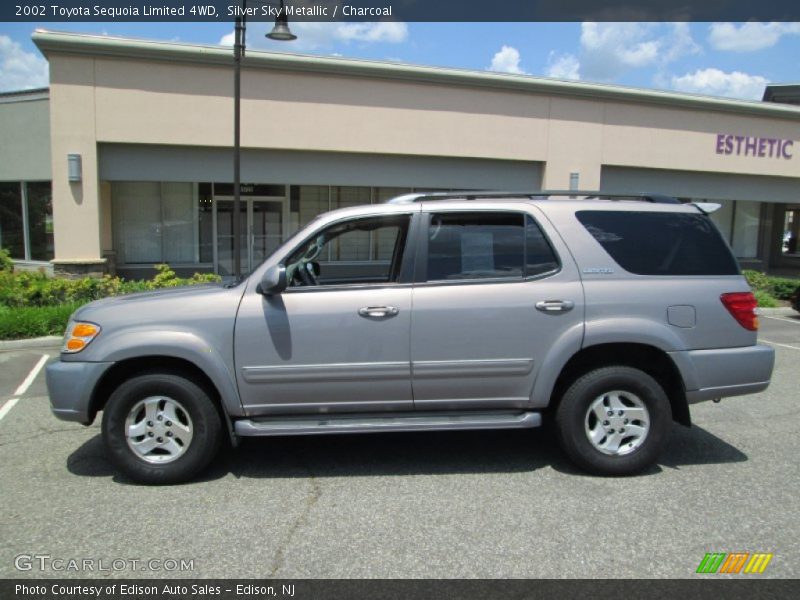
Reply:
x=123, y=370
x=653, y=361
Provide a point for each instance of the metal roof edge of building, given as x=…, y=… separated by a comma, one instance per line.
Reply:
x=94, y=45
x=28, y=95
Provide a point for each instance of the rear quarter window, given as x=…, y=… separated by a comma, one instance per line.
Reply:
x=662, y=243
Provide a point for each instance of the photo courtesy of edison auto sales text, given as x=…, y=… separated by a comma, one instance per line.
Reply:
x=172, y=589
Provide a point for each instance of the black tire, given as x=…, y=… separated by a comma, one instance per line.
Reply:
x=571, y=416
x=205, y=421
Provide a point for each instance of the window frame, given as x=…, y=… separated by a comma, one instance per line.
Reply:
x=421, y=258
x=405, y=273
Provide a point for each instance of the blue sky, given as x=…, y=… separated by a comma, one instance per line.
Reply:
x=721, y=59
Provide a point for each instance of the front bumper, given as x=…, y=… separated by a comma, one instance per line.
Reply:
x=70, y=385
x=712, y=374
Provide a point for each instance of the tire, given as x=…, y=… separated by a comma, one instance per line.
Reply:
x=636, y=419
x=175, y=428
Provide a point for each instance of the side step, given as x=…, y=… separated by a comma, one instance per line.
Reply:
x=376, y=423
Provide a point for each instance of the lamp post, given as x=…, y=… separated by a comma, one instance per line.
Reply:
x=280, y=32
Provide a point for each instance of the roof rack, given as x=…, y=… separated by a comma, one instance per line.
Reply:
x=539, y=195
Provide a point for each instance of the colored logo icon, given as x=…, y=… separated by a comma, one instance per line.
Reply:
x=734, y=562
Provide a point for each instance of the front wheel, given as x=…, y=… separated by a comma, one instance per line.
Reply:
x=614, y=421
x=161, y=428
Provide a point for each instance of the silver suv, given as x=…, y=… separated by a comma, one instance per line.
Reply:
x=607, y=315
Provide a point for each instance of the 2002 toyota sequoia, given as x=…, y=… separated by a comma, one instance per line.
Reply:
x=609, y=315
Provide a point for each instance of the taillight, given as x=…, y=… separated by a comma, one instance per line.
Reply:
x=742, y=306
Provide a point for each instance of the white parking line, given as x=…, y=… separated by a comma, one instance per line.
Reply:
x=7, y=407
x=795, y=321
x=781, y=345
x=23, y=387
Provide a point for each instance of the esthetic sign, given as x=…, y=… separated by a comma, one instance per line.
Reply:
x=760, y=147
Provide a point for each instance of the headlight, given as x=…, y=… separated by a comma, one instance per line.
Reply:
x=78, y=336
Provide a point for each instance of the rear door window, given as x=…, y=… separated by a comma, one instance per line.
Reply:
x=485, y=245
x=661, y=243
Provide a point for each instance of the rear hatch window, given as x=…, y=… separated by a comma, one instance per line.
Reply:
x=661, y=243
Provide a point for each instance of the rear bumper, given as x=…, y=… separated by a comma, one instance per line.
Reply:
x=710, y=374
x=70, y=385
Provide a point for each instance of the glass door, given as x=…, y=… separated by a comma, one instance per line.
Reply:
x=261, y=229
x=224, y=236
x=266, y=229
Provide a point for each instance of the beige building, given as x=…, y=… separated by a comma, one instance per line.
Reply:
x=147, y=129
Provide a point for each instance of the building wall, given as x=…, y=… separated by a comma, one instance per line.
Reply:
x=110, y=102
x=25, y=125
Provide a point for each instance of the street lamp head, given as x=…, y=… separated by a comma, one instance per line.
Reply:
x=281, y=31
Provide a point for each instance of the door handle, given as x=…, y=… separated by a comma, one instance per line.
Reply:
x=378, y=312
x=552, y=306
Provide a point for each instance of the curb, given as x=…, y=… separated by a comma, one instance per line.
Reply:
x=781, y=310
x=40, y=342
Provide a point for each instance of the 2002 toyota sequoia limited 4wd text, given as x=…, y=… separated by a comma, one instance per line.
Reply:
x=609, y=315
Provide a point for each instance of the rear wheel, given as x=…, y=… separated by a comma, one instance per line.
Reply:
x=614, y=421
x=161, y=428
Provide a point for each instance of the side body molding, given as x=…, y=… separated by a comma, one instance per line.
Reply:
x=183, y=344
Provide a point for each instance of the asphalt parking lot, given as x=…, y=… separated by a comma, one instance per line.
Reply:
x=471, y=504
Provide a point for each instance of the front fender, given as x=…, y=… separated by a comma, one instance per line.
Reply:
x=186, y=345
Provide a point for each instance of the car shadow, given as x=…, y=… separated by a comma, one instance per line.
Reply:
x=402, y=454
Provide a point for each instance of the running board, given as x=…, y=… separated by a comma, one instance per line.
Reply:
x=373, y=424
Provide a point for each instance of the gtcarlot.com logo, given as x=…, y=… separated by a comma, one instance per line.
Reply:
x=734, y=563
x=45, y=562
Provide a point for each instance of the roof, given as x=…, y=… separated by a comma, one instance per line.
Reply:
x=788, y=93
x=94, y=45
x=25, y=95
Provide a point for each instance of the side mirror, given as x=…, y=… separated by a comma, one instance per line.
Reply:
x=274, y=281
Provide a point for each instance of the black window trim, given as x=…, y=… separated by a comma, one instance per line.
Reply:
x=421, y=259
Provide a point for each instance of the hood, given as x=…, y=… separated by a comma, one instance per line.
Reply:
x=159, y=306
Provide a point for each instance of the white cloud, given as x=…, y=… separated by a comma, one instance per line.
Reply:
x=387, y=32
x=507, y=60
x=719, y=83
x=679, y=43
x=323, y=35
x=19, y=69
x=563, y=66
x=749, y=37
x=610, y=49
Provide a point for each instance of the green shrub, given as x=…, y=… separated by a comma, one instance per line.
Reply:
x=37, y=289
x=34, y=321
x=757, y=280
x=764, y=299
x=5, y=261
x=783, y=287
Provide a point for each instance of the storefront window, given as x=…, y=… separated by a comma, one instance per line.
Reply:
x=357, y=245
x=40, y=220
x=791, y=231
x=745, y=229
x=12, y=237
x=310, y=201
x=154, y=222
x=724, y=219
